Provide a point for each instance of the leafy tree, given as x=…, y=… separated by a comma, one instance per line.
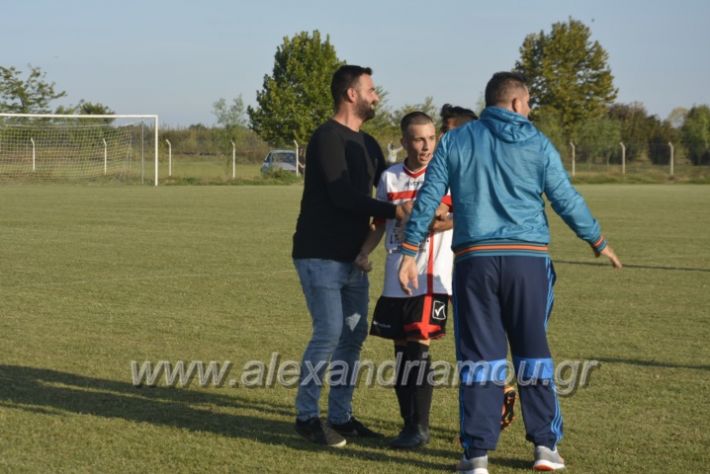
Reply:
x=660, y=135
x=645, y=136
x=88, y=108
x=296, y=97
x=427, y=107
x=29, y=95
x=696, y=134
x=94, y=108
x=67, y=109
x=636, y=128
x=85, y=108
x=550, y=124
x=598, y=139
x=567, y=73
x=230, y=116
x=383, y=126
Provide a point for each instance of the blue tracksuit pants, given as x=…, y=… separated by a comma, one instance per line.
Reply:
x=499, y=300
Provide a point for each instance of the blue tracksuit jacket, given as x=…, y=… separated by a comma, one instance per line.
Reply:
x=498, y=169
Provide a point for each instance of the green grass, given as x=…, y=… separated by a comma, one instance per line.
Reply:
x=640, y=173
x=92, y=277
x=208, y=168
x=186, y=169
x=217, y=170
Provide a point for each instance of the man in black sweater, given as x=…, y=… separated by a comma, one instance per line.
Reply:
x=342, y=165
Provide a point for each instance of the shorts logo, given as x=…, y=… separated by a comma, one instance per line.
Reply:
x=439, y=311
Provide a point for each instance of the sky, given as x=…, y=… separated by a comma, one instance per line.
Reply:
x=176, y=58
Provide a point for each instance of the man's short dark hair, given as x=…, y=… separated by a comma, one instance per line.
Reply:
x=501, y=86
x=414, y=118
x=343, y=79
x=461, y=115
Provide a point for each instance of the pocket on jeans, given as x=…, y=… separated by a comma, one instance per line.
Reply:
x=357, y=277
x=326, y=273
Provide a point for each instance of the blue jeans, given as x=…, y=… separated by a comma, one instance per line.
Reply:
x=337, y=296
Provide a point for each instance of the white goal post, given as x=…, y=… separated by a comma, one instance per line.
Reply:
x=77, y=146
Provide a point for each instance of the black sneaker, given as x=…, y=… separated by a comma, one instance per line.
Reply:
x=316, y=431
x=355, y=429
x=411, y=437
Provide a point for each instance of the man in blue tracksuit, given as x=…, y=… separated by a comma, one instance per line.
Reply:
x=497, y=169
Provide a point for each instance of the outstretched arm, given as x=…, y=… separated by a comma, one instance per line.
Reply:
x=329, y=160
x=572, y=208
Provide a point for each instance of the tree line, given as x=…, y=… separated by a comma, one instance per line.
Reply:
x=571, y=85
x=32, y=93
x=573, y=100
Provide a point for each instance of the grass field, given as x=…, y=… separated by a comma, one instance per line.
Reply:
x=217, y=170
x=93, y=277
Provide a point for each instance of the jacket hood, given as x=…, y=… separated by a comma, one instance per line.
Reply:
x=507, y=125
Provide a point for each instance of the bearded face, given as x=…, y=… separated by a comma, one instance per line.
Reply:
x=367, y=98
x=365, y=109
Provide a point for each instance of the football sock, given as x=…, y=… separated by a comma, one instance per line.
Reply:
x=422, y=389
x=471, y=453
x=401, y=388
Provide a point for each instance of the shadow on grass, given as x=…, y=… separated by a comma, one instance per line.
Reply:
x=631, y=265
x=652, y=363
x=51, y=392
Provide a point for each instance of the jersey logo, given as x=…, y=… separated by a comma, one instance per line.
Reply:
x=439, y=311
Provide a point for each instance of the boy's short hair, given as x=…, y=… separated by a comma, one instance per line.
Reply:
x=414, y=118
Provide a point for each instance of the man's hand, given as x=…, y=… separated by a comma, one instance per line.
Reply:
x=403, y=210
x=363, y=263
x=608, y=252
x=408, y=274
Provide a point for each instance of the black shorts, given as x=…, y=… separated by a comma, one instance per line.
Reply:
x=419, y=317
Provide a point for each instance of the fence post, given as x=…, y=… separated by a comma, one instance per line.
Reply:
x=623, y=158
x=170, y=157
x=670, y=145
x=234, y=160
x=105, y=157
x=34, y=168
x=574, y=161
x=142, y=153
x=296, y=143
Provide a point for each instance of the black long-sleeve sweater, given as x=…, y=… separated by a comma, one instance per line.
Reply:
x=341, y=168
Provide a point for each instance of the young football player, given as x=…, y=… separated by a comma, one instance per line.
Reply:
x=412, y=321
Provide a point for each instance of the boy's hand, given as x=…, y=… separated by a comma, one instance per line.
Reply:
x=442, y=211
x=441, y=225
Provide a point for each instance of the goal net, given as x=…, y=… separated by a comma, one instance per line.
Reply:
x=50, y=147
